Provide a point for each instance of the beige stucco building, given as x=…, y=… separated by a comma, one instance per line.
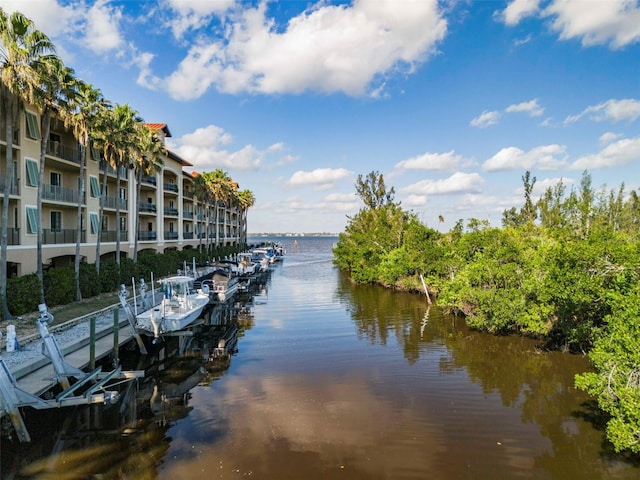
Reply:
x=171, y=217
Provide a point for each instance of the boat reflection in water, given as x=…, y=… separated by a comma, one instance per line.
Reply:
x=129, y=439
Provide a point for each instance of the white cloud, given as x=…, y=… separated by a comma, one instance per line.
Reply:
x=614, y=110
x=321, y=177
x=618, y=153
x=616, y=23
x=609, y=137
x=531, y=107
x=447, y=161
x=459, y=182
x=414, y=201
x=486, y=119
x=519, y=9
x=334, y=48
x=49, y=17
x=102, y=27
x=545, y=157
x=188, y=15
x=205, y=149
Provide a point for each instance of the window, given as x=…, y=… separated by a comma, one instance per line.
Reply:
x=56, y=179
x=33, y=128
x=94, y=222
x=171, y=227
x=171, y=204
x=32, y=172
x=123, y=194
x=95, y=187
x=105, y=223
x=95, y=154
x=32, y=220
x=56, y=221
x=123, y=224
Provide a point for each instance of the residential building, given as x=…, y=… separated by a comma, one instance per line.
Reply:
x=170, y=214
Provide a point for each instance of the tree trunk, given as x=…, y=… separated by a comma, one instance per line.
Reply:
x=4, y=241
x=83, y=163
x=45, y=122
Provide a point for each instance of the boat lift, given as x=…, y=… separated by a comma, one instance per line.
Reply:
x=93, y=384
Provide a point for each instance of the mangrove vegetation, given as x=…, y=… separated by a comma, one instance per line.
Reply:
x=563, y=268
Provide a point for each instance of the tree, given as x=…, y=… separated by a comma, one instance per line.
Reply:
x=221, y=189
x=21, y=46
x=203, y=194
x=246, y=200
x=147, y=160
x=115, y=136
x=81, y=117
x=372, y=190
x=50, y=90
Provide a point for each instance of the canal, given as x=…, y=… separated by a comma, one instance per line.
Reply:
x=335, y=381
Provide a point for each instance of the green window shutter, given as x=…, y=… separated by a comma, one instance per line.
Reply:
x=32, y=172
x=33, y=128
x=95, y=187
x=95, y=154
x=32, y=219
x=94, y=223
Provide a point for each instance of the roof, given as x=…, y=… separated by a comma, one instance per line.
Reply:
x=159, y=126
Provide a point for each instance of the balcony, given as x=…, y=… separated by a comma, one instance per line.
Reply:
x=171, y=211
x=112, y=202
x=147, y=236
x=59, y=150
x=170, y=187
x=13, y=236
x=148, y=207
x=150, y=180
x=187, y=235
x=57, y=193
x=58, y=236
x=14, y=188
x=112, y=235
x=187, y=194
x=170, y=235
x=187, y=215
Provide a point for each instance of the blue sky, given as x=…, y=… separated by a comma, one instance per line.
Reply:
x=452, y=101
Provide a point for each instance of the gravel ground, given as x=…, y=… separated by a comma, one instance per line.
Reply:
x=31, y=347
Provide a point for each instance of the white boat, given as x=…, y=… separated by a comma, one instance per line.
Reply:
x=245, y=265
x=223, y=284
x=180, y=306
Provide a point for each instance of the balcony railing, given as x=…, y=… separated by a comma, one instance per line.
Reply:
x=148, y=207
x=104, y=166
x=57, y=149
x=147, y=236
x=64, y=235
x=187, y=215
x=112, y=235
x=14, y=188
x=171, y=187
x=170, y=235
x=187, y=194
x=112, y=202
x=61, y=194
x=149, y=179
x=187, y=235
x=171, y=211
x=13, y=236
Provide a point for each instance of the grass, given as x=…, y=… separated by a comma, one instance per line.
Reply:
x=26, y=324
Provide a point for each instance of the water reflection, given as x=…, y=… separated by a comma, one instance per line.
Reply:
x=131, y=439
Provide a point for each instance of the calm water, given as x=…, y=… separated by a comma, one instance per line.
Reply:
x=337, y=381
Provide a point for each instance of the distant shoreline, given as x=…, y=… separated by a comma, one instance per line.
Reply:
x=289, y=234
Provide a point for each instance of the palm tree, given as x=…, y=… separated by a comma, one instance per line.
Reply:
x=115, y=137
x=246, y=200
x=87, y=104
x=148, y=160
x=50, y=90
x=203, y=194
x=21, y=46
x=221, y=188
